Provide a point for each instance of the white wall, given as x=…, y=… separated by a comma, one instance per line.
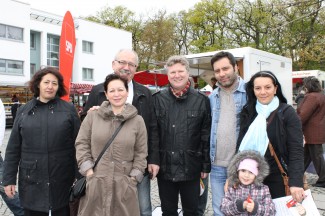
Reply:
x=14, y=13
x=45, y=28
x=107, y=41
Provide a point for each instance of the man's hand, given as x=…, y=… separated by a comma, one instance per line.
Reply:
x=10, y=190
x=225, y=187
x=93, y=108
x=153, y=169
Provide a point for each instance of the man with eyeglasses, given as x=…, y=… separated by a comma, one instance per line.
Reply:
x=124, y=65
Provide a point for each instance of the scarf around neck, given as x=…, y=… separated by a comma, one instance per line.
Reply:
x=256, y=136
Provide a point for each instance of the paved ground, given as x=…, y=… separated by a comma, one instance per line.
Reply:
x=318, y=193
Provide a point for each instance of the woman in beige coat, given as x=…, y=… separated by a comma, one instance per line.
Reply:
x=111, y=186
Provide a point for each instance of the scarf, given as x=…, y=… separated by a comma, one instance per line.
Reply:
x=256, y=136
x=183, y=91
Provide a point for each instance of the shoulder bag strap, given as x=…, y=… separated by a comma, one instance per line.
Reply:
x=273, y=154
x=283, y=173
x=108, y=143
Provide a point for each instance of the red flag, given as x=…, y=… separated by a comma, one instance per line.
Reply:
x=67, y=47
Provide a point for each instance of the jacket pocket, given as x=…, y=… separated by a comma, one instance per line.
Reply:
x=162, y=118
x=193, y=122
x=27, y=171
x=131, y=189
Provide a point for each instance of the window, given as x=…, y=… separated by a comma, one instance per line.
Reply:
x=53, y=44
x=2, y=31
x=87, y=73
x=32, y=70
x=11, y=67
x=87, y=46
x=2, y=65
x=11, y=32
x=32, y=41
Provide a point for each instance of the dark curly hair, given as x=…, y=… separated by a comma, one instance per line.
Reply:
x=36, y=80
x=222, y=54
x=312, y=84
x=109, y=78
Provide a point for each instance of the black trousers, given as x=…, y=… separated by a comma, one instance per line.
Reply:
x=169, y=192
x=314, y=153
x=65, y=211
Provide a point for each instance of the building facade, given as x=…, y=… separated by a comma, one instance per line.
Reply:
x=29, y=40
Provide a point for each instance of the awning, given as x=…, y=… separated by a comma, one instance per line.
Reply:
x=151, y=78
x=297, y=80
x=79, y=88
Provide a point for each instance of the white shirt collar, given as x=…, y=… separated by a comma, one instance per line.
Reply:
x=131, y=93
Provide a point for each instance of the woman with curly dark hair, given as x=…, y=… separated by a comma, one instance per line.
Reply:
x=264, y=96
x=312, y=114
x=41, y=147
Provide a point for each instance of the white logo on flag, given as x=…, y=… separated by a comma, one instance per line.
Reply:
x=68, y=46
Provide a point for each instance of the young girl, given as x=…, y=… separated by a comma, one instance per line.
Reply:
x=246, y=194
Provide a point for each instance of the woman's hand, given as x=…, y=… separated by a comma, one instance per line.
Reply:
x=10, y=190
x=89, y=172
x=297, y=193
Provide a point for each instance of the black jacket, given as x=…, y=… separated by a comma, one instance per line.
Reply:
x=41, y=144
x=285, y=134
x=184, y=132
x=142, y=100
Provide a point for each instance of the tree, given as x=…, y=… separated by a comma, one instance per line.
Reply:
x=183, y=30
x=158, y=38
x=208, y=25
x=301, y=29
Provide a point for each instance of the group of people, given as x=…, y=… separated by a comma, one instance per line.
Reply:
x=177, y=135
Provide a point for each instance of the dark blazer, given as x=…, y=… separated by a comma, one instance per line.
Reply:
x=312, y=114
x=41, y=145
x=142, y=100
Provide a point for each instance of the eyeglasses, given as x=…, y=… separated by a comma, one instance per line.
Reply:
x=124, y=63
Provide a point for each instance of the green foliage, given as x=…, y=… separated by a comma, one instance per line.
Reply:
x=292, y=28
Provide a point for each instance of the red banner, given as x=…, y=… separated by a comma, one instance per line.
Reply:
x=67, y=48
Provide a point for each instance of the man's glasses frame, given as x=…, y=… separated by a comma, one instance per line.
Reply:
x=124, y=63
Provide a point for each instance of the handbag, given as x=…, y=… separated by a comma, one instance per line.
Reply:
x=284, y=175
x=78, y=189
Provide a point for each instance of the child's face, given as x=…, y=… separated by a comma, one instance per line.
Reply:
x=246, y=177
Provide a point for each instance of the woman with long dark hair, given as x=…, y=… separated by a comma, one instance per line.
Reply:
x=284, y=132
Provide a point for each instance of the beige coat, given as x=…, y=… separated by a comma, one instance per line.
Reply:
x=110, y=190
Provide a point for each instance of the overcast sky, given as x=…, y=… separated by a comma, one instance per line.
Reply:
x=90, y=7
